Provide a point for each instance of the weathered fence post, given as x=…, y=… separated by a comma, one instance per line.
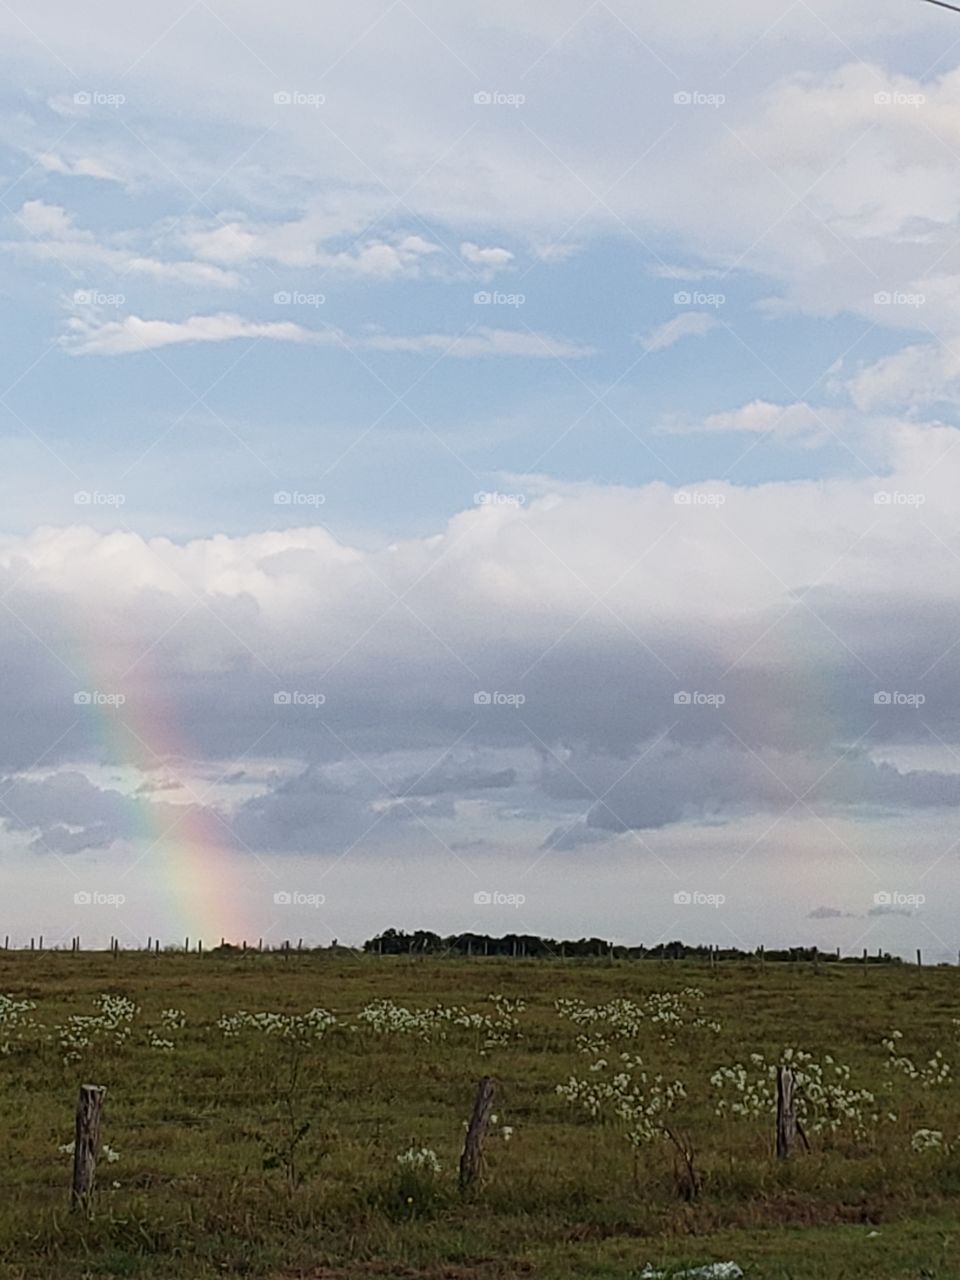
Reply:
x=786, y=1114
x=86, y=1142
x=471, y=1161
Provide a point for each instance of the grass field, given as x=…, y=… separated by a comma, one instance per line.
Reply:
x=273, y=1152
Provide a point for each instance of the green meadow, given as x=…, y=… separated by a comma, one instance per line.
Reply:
x=242, y=1138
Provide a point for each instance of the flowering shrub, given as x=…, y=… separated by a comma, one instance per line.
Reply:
x=666, y=1011
x=388, y=1018
x=300, y=1027
x=928, y=1075
x=825, y=1098
x=14, y=1021
x=928, y=1140
x=628, y=1097
x=422, y=1159
x=112, y=1026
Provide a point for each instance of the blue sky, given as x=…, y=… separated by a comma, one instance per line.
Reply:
x=590, y=355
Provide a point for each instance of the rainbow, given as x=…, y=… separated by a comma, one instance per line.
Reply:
x=198, y=880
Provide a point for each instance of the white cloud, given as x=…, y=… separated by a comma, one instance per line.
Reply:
x=813, y=183
x=491, y=257
x=305, y=243
x=55, y=238
x=485, y=342
x=88, y=334
x=49, y=220
x=80, y=166
x=913, y=377
x=689, y=324
x=800, y=422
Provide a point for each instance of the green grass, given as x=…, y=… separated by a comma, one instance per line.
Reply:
x=565, y=1197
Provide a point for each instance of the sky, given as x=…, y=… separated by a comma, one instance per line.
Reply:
x=481, y=469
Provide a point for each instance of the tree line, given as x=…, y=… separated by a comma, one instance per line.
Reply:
x=396, y=942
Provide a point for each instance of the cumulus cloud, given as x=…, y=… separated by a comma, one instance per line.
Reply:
x=652, y=689
x=914, y=377
x=490, y=257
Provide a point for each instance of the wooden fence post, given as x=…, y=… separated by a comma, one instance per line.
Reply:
x=786, y=1114
x=86, y=1142
x=471, y=1161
